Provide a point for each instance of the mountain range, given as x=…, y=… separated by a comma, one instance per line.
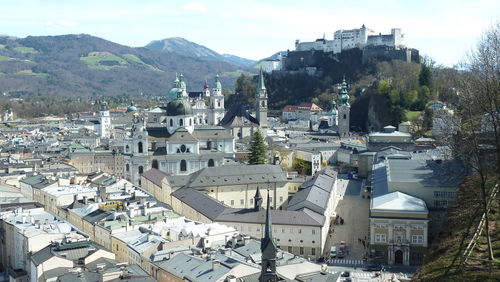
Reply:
x=85, y=65
x=187, y=48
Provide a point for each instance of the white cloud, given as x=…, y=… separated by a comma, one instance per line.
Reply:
x=194, y=7
x=60, y=23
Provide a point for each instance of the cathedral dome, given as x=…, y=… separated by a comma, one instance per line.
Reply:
x=179, y=107
x=172, y=94
x=131, y=109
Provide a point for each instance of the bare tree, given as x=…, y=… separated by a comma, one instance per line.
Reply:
x=479, y=142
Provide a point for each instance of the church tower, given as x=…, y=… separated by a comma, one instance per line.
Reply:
x=261, y=100
x=105, y=121
x=268, y=248
x=206, y=90
x=135, y=151
x=216, y=102
x=344, y=111
x=257, y=200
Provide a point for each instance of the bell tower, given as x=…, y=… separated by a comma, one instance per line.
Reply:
x=261, y=100
x=217, y=102
x=344, y=111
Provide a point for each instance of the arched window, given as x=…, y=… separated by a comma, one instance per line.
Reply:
x=139, y=147
x=181, y=122
x=263, y=103
x=127, y=167
x=218, y=104
x=155, y=164
x=171, y=122
x=141, y=169
x=183, y=165
x=127, y=149
x=211, y=163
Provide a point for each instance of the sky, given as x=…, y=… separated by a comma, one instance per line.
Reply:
x=442, y=29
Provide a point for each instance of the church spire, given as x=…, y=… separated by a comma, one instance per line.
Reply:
x=261, y=85
x=269, y=249
x=257, y=200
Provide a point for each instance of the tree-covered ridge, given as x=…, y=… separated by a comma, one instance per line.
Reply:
x=87, y=66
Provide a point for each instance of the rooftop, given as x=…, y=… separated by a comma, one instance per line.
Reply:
x=397, y=202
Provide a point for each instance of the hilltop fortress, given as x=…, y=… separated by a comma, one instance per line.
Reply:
x=353, y=47
x=354, y=38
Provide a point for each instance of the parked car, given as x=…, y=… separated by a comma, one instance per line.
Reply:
x=333, y=251
x=373, y=267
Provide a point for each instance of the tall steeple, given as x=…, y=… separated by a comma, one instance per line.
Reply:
x=261, y=100
x=344, y=111
x=257, y=200
x=269, y=249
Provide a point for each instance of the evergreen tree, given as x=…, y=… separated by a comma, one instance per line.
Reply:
x=257, y=149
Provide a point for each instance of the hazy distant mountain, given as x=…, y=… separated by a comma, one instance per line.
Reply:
x=82, y=64
x=239, y=60
x=187, y=48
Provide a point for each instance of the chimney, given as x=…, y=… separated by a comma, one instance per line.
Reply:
x=215, y=264
x=32, y=220
x=246, y=240
x=85, y=201
x=24, y=219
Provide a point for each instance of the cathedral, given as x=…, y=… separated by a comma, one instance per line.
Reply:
x=180, y=137
x=188, y=133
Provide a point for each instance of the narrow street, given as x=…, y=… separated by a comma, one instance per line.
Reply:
x=354, y=210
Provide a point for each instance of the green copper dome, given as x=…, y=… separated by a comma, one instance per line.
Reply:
x=344, y=96
x=182, y=84
x=179, y=107
x=172, y=93
x=217, y=84
x=131, y=109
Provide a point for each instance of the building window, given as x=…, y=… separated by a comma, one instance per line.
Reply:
x=300, y=231
x=141, y=169
x=211, y=163
x=127, y=167
x=171, y=122
x=313, y=231
x=127, y=149
x=183, y=148
x=232, y=202
x=183, y=165
x=301, y=251
x=242, y=202
x=181, y=122
x=251, y=201
x=380, y=238
x=139, y=147
x=290, y=249
x=417, y=239
x=155, y=164
x=313, y=252
x=190, y=122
